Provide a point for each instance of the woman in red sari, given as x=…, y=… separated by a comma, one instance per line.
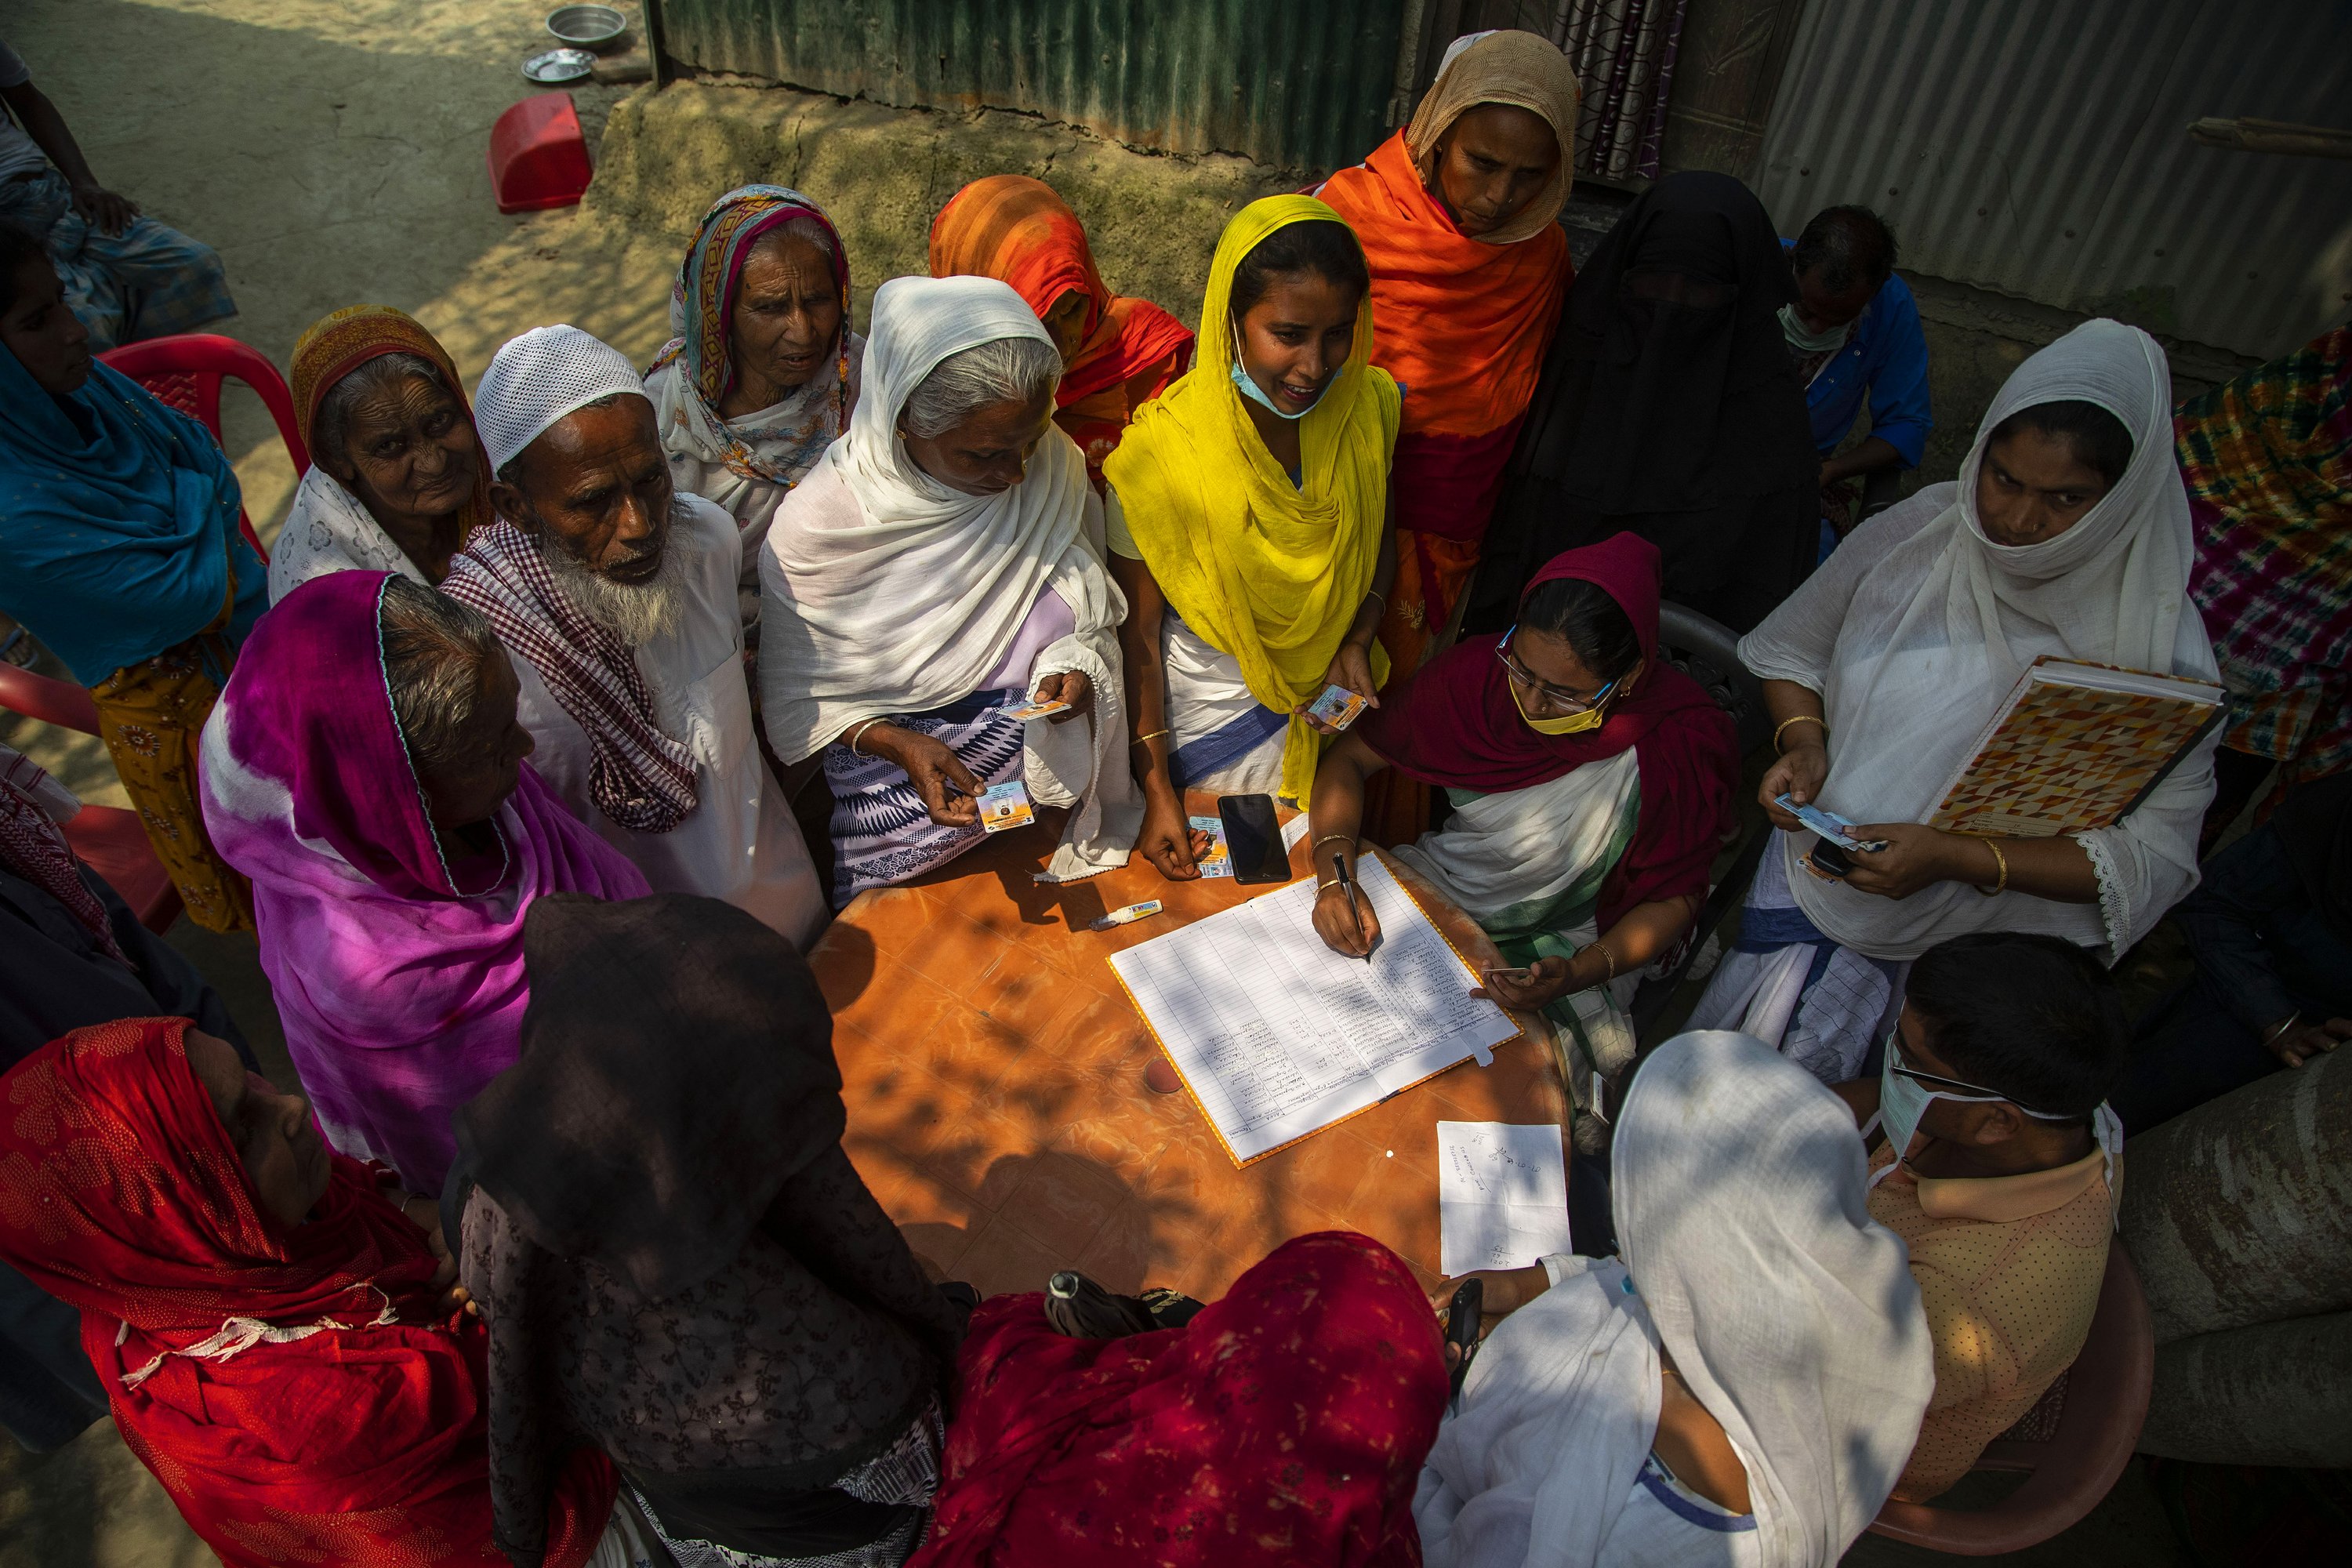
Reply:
x=1117, y=351
x=1283, y=1426
x=277, y=1337
x=1456, y=214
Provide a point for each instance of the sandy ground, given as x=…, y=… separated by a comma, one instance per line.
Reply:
x=333, y=151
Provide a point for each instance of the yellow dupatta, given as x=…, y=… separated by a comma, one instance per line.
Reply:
x=1270, y=572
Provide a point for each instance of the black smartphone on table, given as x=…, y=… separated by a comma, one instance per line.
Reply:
x=1253, y=838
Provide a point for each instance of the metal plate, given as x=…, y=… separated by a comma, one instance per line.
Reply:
x=558, y=66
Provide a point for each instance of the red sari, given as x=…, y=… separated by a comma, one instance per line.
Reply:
x=1015, y=229
x=295, y=1390
x=1284, y=1427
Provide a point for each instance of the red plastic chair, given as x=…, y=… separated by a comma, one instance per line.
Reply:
x=185, y=370
x=2102, y=1400
x=111, y=841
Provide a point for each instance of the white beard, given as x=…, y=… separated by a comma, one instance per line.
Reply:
x=636, y=613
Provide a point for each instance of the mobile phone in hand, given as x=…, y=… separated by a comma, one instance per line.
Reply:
x=1462, y=1316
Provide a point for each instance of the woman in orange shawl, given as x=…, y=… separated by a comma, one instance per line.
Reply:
x=1456, y=215
x=1117, y=351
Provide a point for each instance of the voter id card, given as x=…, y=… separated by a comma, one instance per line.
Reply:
x=1219, y=860
x=1037, y=708
x=1829, y=825
x=1338, y=707
x=1005, y=806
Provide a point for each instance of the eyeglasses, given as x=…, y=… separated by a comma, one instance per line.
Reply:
x=1549, y=695
x=1932, y=1080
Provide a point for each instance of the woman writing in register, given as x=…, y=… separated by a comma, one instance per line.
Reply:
x=2066, y=534
x=1591, y=783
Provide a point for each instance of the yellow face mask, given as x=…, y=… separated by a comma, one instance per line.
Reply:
x=1574, y=724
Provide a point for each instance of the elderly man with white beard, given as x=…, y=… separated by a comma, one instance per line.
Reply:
x=616, y=598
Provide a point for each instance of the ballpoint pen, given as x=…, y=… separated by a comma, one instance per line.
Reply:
x=1347, y=885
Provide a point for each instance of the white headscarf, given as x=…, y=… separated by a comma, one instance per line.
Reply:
x=1915, y=631
x=892, y=593
x=538, y=378
x=1791, y=1314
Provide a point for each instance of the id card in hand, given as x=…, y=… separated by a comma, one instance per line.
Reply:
x=1338, y=707
x=1037, y=709
x=1005, y=806
x=1219, y=860
x=1829, y=825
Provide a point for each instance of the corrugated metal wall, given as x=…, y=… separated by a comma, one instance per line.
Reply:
x=2038, y=147
x=1304, y=86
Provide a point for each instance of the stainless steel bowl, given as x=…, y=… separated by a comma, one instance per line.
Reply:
x=586, y=26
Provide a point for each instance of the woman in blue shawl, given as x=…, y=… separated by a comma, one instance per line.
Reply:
x=120, y=550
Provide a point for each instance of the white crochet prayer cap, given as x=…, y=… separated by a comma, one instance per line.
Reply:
x=537, y=379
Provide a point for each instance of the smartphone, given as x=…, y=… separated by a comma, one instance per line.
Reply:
x=1253, y=838
x=1462, y=1316
x=1830, y=860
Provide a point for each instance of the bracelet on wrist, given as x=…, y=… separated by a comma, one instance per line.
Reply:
x=1798, y=719
x=2000, y=863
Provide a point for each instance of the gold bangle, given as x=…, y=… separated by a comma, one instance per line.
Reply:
x=2000, y=860
x=857, y=733
x=1345, y=838
x=1154, y=735
x=1606, y=957
x=1798, y=719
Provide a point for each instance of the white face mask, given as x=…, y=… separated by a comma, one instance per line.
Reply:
x=1806, y=341
x=1903, y=1099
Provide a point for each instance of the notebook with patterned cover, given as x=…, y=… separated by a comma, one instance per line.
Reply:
x=2075, y=746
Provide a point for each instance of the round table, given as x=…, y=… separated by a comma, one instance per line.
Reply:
x=993, y=1069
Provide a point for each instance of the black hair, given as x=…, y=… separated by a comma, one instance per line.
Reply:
x=1321, y=246
x=18, y=245
x=1849, y=245
x=2034, y=1018
x=2098, y=437
x=1582, y=615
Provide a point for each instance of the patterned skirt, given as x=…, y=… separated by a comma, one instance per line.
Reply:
x=882, y=835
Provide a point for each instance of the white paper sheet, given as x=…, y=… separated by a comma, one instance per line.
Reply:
x=1278, y=1036
x=1502, y=1194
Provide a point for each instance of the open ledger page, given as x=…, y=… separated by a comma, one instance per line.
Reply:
x=1278, y=1036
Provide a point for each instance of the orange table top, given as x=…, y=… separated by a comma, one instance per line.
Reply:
x=993, y=1070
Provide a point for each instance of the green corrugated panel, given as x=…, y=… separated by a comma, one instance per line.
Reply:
x=1300, y=85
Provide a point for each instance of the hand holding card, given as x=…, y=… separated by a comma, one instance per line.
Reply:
x=1337, y=707
x=1037, y=708
x=1005, y=806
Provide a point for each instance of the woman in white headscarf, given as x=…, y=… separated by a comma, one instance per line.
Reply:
x=940, y=568
x=1742, y=1386
x=2066, y=534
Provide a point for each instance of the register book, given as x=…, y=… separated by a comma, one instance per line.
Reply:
x=2076, y=746
x=1277, y=1036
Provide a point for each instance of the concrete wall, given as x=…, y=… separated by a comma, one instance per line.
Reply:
x=883, y=175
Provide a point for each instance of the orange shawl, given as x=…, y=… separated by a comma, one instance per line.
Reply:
x=1015, y=229
x=1463, y=323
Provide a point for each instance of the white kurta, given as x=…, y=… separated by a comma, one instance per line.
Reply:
x=740, y=843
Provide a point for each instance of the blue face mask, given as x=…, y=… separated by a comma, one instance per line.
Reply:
x=1258, y=395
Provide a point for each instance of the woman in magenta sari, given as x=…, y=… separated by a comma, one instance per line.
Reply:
x=364, y=768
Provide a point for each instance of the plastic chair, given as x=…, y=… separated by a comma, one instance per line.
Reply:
x=2102, y=1400
x=185, y=370
x=539, y=159
x=111, y=840
x=1708, y=652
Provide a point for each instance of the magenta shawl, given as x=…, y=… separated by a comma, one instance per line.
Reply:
x=399, y=975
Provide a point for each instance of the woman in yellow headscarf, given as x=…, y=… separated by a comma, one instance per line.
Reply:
x=1250, y=524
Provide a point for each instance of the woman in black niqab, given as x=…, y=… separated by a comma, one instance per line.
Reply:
x=1668, y=407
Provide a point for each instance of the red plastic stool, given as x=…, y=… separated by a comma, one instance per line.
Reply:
x=538, y=157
